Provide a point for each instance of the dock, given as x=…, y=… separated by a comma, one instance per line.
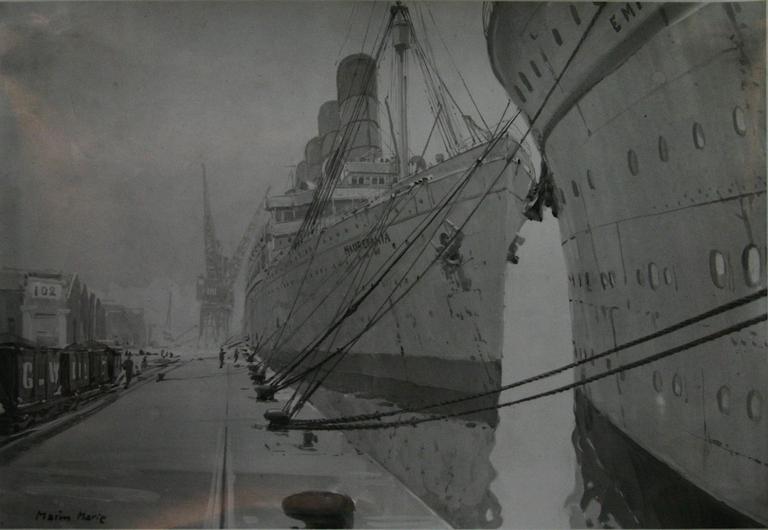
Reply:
x=193, y=451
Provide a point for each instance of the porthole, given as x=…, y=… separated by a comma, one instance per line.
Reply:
x=518, y=93
x=558, y=38
x=525, y=81
x=677, y=385
x=752, y=264
x=698, y=136
x=754, y=405
x=724, y=400
x=575, y=15
x=658, y=384
x=604, y=280
x=612, y=278
x=634, y=167
x=739, y=121
x=575, y=188
x=640, y=277
x=589, y=180
x=663, y=149
x=562, y=195
x=717, y=268
x=535, y=69
x=586, y=279
x=608, y=364
x=667, y=276
x=653, y=275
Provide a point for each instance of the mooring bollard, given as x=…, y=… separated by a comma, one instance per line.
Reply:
x=265, y=392
x=320, y=509
x=277, y=419
x=258, y=374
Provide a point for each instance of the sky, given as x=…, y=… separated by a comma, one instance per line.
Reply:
x=108, y=110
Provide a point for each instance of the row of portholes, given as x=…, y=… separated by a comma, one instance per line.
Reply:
x=677, y=383
x=699, y=141
x=739, y=120
x=654, y=276
x=534, y=67
x=754, y=404
x=751, y=264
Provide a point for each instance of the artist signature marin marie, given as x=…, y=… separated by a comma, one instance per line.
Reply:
x=80, y=515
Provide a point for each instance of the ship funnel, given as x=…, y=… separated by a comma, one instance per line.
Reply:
x=358, y=106
x=328, y=126
x=313, y=154
x=301, y=175
x=328, y=118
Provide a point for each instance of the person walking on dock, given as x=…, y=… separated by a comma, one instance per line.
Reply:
x=128, y=367
x=221, y=357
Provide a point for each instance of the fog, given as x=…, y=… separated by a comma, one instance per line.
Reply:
x=108, y=110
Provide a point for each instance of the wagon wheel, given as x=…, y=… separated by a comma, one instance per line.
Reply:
x=22, y=423
x=50, y=413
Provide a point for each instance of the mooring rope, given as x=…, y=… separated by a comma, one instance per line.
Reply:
x=550, y=373
x=560, y=389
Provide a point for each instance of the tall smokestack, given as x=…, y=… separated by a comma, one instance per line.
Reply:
x=301, y=173
x=313, y=154
x=328, y=126
x=358, y=106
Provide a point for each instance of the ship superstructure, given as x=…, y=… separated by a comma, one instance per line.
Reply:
x=651, y=122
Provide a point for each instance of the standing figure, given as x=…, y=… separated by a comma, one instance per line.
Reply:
x=221, y=357
x=128, y=367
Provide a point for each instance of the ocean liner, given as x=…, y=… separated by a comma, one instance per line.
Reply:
x=651, y=123
x=386, y=274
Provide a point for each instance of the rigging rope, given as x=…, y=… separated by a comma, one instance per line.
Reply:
x=450, y=56
x=408, y=244
x=561, y=369
x=379, y=226
x=560, y=389
x=365, y=252
x=491, y=144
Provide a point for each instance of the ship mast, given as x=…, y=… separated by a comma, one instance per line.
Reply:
x=401, y=39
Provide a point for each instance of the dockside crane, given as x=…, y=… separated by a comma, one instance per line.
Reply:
x=215, y=289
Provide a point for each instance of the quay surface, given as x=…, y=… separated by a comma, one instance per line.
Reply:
x=193, y=451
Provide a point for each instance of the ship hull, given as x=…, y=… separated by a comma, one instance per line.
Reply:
x=655, y=139
x=426, y=318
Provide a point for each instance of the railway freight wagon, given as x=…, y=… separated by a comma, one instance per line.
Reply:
x=104, y=364
x=28, y=375
x=37, y=383
x=75, y=369
x=85, y=366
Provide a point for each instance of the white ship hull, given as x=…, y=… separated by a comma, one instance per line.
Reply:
x=446, y=332
x=656, y=141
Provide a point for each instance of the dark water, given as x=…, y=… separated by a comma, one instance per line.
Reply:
x=553, y=463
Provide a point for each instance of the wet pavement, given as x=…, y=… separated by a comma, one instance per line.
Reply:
x=192, y=451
